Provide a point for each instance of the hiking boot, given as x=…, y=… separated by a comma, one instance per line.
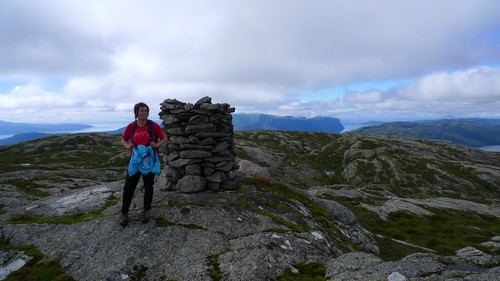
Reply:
x=145, y=216
x=124, y=220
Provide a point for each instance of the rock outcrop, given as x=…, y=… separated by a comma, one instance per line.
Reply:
x=304, y=198
x=199, y=154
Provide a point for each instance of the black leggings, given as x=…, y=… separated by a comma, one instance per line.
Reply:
x=129, y=188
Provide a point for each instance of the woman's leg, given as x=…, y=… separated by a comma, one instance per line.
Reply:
x=149, y=180
x=128, y=191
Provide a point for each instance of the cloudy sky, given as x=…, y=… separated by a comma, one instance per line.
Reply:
x=92, y=60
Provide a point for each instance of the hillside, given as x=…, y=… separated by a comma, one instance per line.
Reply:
x=310, y=204
x=248, y=122
x=469, y=132
x=23, y=137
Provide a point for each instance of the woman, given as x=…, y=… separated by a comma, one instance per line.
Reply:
x=137, y=139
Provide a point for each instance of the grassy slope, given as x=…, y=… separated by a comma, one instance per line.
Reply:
x=465, y=132
x=401, y=167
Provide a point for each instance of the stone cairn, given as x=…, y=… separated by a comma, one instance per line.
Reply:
x=199, y=153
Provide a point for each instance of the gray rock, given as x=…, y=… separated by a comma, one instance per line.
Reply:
x=171, y=172
x=224, y=166
x=203, y=135
x=213, y=186
x=217, y=176
x=338, y=211
x=176, y=131
x=231, y=184
x=195, y=147
x=208, y=141
x=251, y=169
x=194, y=140
x=201, y=101
x=208, y=106
x=195, y=154
x=190, y=183
x=220, y=147
x=183, y=162
x=208, y=171
x=396, y=205
x=193, y=129
x=179, y=139
x=217, y=159
x=364, y=266
x=73, y=202
x=194, y=169
x=198, y=120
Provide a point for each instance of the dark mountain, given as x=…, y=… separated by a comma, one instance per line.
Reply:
x=23, y=137
x=470, y=132
x=117, y=131
x=248, y=122
x=10, y=128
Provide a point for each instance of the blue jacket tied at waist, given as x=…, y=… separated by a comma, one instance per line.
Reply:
x=145, y=160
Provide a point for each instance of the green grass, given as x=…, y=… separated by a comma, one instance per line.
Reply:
x=444, y=232
x=314, y=271
x=44, y=271
x=28, y=187
x=329, y=159
x=293, y=226
x=318, y=214
x=213, y=261
x=63, y=151
x=35, y=270
x=139, y=273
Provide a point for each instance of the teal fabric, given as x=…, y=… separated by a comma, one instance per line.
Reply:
x=145, y=160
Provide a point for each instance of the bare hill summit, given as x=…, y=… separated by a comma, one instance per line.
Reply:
x=311, y=205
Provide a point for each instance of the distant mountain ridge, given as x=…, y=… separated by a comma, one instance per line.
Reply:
x=473, y=132
x=11, y=128
x=248, y=122
x=24, y=137
x=242, y=122
x=29, y=131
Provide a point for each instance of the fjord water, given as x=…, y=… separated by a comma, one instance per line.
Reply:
x=495, y=148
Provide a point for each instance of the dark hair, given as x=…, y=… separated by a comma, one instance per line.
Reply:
x=136, y=108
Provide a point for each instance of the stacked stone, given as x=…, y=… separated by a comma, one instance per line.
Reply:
x=200, y=150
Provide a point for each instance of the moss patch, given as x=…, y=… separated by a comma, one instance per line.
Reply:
x=139, y=273
x=213, y=261
x=34, y=269
x=445, y=231
x=306, y=271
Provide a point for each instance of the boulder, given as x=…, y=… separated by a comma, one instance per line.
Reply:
x=190, y=183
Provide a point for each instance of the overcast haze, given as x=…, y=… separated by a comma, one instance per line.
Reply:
x=91, y=61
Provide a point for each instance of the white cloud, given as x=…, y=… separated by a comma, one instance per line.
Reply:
x=470, y=92
x=474, y=84
x=251, y=54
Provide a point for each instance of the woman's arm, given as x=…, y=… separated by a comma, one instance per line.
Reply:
x=127, y=144
x=160, y=142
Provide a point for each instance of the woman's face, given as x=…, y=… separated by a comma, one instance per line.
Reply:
x=143, y=112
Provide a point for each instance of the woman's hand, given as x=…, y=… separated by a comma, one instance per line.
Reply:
x=127, y=145
x=159, y=143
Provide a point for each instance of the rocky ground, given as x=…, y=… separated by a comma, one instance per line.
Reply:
x=290, y=211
